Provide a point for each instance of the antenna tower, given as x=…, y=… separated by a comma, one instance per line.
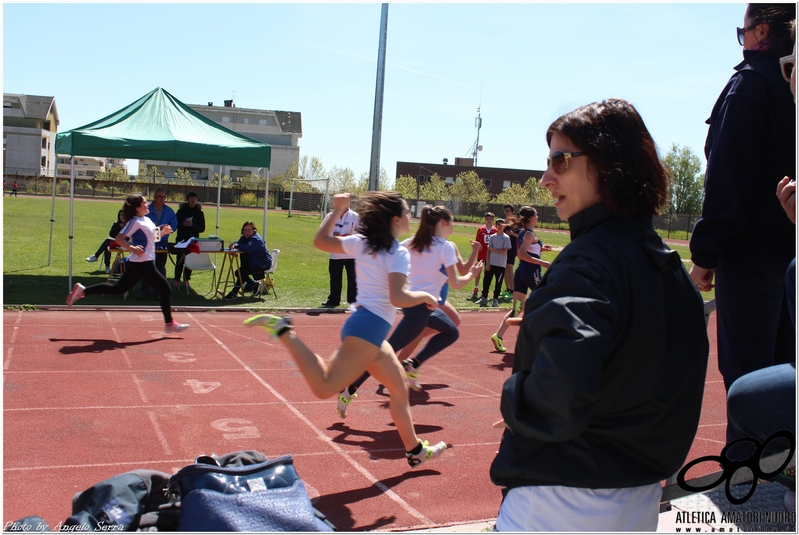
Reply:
x=478, y=123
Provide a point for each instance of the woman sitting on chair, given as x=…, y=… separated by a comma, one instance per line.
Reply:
x=103, y=249
x=255, y=259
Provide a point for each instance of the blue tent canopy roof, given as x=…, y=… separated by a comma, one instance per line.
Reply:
x=160, y=127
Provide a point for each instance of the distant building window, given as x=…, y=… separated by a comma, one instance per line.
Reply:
x=44, y=142
x=246, y=121
x=44, y=161
x=505, y=184
x=6, y=104
x=420, y=179
x=225, y=119
x=262, y=122
x=449, y=180
x=487, y=182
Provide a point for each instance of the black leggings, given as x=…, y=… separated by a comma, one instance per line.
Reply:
x=104, y=250
x=134, y=271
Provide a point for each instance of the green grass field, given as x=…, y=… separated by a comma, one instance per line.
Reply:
x=301, y=278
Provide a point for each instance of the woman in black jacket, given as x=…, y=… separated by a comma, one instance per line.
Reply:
x=610, y=362
x=115, y=228
x=191, y=223
x=750, y=147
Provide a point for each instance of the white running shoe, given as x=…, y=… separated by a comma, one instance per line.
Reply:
x=75, y=294
x=175, y=327
x=344, y=399
x=428, y=452
x=92, y=258
x=413, y=375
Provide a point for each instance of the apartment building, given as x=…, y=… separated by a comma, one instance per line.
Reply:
x=495, y=178
x=281, y=130
x=30, y=125
x=86, y=166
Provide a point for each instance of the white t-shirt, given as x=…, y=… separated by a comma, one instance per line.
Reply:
x=371, y=272
x=429, y=268
x=142, y=231
x=349, y=223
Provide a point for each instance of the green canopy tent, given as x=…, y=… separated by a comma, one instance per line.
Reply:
x=160, y=127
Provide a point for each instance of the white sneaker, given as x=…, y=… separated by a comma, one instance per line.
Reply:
x=107, y=270
x=428, y=452
x=175, y=327
x=75, y=294
x=92, y=258
x=344, y=399
x=413, y=375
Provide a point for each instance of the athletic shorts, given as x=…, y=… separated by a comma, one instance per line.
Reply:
x=366, y=326
x=527, y=277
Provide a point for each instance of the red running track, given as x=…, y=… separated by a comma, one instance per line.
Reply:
x=90, y=394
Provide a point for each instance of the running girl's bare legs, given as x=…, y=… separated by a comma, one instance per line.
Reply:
x=517, y=296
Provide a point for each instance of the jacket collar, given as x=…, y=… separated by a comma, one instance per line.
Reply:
x=582, y=222
x=751, y=56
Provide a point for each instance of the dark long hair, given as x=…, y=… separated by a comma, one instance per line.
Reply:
x=631, y=179
x=132, y=202
x=526, y=213
x=376, y=210
x=431, y=215
x=250, y=223
x=778, y=17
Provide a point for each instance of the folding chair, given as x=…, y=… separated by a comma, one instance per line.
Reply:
x=200, y=262
x=118, y=264
x=267, y=282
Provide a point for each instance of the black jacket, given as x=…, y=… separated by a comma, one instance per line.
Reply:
x=610, y=363
x=197, y=223
x=750, y=146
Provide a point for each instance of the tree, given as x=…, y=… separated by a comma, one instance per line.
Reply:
x=515, y=194
x=115, y=174
x=151, y=174
x=214, y=181
x=406, y=186
x=184, y=177
x=538, y=196
x=436, y=190
x=685, y=189
x=469, y=188
x=341, y=180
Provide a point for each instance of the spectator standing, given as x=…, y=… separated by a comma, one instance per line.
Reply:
x=161, y=215
x=498, y=246
x=609, y=368
x=191, y=223
x=4, y=188
x=346, y=224
x=482, y=237
x=512, y=232
x=14, y=190
x=751, y=145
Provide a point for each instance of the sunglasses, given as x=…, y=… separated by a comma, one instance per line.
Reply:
x=787, y=64
x=742, y=31
x=160, y=196
x=559, y=160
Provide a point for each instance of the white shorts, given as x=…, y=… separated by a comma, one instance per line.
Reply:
x=557, y=508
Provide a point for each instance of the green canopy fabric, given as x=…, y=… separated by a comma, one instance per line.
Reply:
x=160, y=127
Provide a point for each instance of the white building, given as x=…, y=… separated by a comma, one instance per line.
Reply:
x=30, y=125
x=281, y=130
x=86, y=166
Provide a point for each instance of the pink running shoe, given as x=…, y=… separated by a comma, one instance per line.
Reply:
x=75, y=294
x=175, y=327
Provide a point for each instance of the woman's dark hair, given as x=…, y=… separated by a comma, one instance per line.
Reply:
x=119, y=215
x=132, y=202
x=250, y=223
x=526, y=213
x=431, y=215
x=376, y=210
x=631, y=179
x=778, y=17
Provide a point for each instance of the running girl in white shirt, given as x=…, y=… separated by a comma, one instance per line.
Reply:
x=143, y=236
x=381, y=266
x=528, y=274
x=433, y=263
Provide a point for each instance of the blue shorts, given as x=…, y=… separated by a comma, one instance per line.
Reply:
x=366, y=326
x=527, y=277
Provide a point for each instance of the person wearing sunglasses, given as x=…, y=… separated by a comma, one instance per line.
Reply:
x=610, y=361
x=750, y=147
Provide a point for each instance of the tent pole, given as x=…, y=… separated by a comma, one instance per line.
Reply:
x=52, y=223
x=71, y=215
x=218, y=200
x=266, y=199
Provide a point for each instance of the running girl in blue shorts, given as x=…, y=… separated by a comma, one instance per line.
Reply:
x=143, y=236
x=433, y=262
x=381, y=268
x=528, y=274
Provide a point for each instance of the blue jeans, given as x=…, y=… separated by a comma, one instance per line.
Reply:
x=763, y=402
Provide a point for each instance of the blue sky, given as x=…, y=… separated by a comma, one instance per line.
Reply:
x=524, y=64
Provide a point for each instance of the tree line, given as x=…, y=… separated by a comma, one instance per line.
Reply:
x=685, y=192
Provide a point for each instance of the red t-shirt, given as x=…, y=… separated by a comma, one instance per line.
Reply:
x=482, y=236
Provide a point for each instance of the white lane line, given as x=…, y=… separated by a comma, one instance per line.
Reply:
x=159, y=433
x=19, y=318
x=118, y=340
x=376, y=482
x=140, y=388
x=13, y=335
x=7, y=362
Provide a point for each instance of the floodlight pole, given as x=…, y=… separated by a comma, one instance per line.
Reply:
x=71, y=216
x=377, y=122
